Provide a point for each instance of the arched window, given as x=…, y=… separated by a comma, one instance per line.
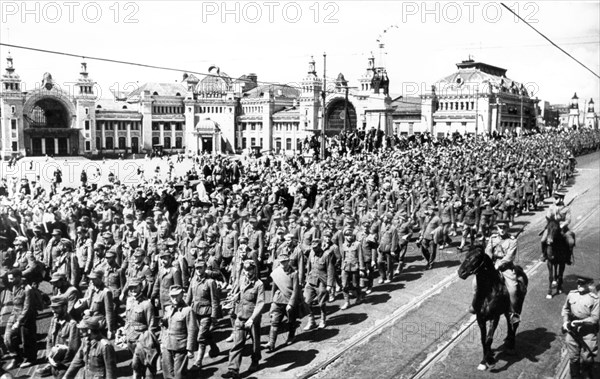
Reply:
x=167, y=142
x=155, y=93
x=155, y=141
x=178, y=142
x=109, y=143
x=124, y=106
x=122, y=144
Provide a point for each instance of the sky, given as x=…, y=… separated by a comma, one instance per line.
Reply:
x=275, y=39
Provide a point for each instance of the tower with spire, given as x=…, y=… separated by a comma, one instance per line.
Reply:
x=85, y=108
x=573, y=119
x=310, y=98
x=11, y=111
x=591, y=119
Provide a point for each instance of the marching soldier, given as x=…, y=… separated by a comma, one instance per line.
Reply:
x=99, y=302
x=203, y=297
x=63, y=340
x=38, y=242
x=66, y=290
x=388, y=243
x=168, y=275
x=21, y=326
x=248, y=313
x=352, y=265
x=286, y=292
x=320, y=280
x=180, y=333
x=139, y=332
x=581, y=314
x=96, y=355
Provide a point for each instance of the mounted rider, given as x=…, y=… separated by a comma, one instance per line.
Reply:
x=562, y=214
x=502, y=248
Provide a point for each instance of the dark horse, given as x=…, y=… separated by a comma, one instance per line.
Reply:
x=492, y=301
x=558, y=251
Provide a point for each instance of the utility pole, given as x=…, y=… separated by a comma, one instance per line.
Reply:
x=324, y=94
x=476, y=113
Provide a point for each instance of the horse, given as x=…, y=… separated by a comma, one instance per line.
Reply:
x=558, y=250
x=492, y=301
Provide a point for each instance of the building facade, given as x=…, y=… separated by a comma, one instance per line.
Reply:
x=476, y=99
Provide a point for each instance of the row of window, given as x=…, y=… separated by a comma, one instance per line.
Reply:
x=167, y=126
x=159, y=109
x=253, y=109
x=167, y=142
x=288, y=126
x=212, y=109
x=118, y=125
x=253, y=126
x=11, y=86
x=455, y=106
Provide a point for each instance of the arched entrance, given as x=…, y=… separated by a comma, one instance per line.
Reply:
x=47, y=128
x=340, y=115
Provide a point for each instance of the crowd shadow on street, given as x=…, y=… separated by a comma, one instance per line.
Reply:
x=291, y=359
x=531, y=344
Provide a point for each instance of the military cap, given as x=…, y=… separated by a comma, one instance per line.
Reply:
x=560, y=193
x=252, y=219
x=243, y=238
x=199, y=263
x=164, y=253
x=316, y=241
x=175, y=290
x=502, y=223
x=134, y=282
x=20, y=240
x=81, y=229
x=57, y=277
x=139, y=252
x=38, y=228
x=107, y=234
x=327, y=233
x=56, y=232
x=96, y=275
x=348, y=232
x=202, y=245
x=58, y=301
x=92, y=323
x=171, y=242
x=226, y=219
x=110, y=253
x=99, y=245
x=281, y=230
x=583, y=280
x=283, y=257
x=249, y=264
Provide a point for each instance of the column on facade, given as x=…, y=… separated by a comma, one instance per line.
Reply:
x=173, y=135
x=55, y=145
x=103, y=135
x=161, y=128
x=116, y=133
x=128, y=142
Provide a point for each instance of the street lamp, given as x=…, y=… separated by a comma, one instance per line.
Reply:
x=324, y=94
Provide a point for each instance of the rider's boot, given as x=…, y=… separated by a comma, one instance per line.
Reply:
x=544, y=256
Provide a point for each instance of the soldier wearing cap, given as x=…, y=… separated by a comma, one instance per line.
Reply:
x=98, y=301
x=168, y=275
x=229, y=245
x=179, y=337
x=431, y=236
x=96, y=356
x=286, y=296
x=38, y=242
x=52, y=249
x=84, y=252
x=256, y=239
x=139, y=331
x=468, y=220
x=62, y=341
x=138, y=270
x=250, y=298
x=353, y=264
x=112, y=245
x=388, y=243
x=203, y=297
x=581, y=314
x=560, y=213
x=404, y=234
x=367, y=236
x=21, y=327
x=63, y=288
x=114, y=279
x=320, y=268
x=502, y=249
